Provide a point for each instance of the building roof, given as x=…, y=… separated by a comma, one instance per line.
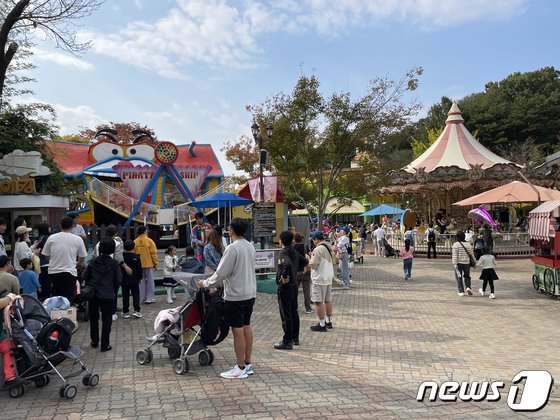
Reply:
x=72, y=158
x=455, y=147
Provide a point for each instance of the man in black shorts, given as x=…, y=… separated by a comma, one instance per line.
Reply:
x=236, y=271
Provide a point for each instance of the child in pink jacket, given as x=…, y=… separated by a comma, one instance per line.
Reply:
x=406, y=253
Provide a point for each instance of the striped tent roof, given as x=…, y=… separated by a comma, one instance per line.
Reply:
x=455, y=147
x=542, y=220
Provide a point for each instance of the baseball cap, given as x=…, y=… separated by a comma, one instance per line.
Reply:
x=22, y=229
x=316, y=235
x=345, y=228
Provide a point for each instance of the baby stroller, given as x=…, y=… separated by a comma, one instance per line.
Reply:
x=200, y=324
x=389, y=250
x=43, y=344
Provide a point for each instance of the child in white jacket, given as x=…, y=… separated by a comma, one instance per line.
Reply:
x=169, y=267
x=488, y=263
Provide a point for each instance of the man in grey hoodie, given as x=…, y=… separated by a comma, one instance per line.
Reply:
x=236, y=271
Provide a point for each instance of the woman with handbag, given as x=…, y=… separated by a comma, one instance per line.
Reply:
x=462, y=256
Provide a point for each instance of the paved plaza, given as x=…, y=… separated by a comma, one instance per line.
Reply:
x=388, y=337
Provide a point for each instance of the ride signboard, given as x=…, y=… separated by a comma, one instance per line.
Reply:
x=264, y=220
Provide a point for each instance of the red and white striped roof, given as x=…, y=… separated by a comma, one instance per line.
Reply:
x=455, y=147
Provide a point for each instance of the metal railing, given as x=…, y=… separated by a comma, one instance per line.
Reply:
x=122, y=202
x=505, y=244
x=182, y=211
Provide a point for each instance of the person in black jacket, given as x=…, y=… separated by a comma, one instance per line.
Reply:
x=289, y=263
x=104, y=275
x=131, y=282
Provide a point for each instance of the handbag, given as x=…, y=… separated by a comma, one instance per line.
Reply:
x=472, y=260
x=324, y=273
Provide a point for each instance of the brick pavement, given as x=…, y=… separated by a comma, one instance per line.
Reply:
x=389, y=336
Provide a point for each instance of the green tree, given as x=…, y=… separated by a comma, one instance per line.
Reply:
x=18, y=130
x=317, y=138
x=419, y=146
x=522, y=106
x=56, y=19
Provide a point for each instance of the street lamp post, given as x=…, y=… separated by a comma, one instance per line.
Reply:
x=262, y=158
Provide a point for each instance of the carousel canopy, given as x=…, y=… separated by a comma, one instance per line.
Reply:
x=514, y=192
x=455, y=147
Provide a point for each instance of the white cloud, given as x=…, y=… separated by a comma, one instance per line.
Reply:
x=62, y=59
x=72, y=120
x=227, y=33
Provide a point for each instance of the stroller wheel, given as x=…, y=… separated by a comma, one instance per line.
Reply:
x=90, y=380
x=144, y=356
x=16, y=391
x=42, y=381
x=180, y=366
x=211, y=356
x=174, y=352
x=68, y=391
x=204, y=358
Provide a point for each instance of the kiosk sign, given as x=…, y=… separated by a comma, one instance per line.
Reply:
x=264, y=220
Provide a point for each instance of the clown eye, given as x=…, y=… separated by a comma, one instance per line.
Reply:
x=106, y=150
x=144, y=151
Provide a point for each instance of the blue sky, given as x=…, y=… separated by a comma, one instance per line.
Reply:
x=188, y=68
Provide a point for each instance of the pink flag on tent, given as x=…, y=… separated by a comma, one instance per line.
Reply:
x=270, y=189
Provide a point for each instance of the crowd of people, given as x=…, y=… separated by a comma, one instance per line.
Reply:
x=49, y=267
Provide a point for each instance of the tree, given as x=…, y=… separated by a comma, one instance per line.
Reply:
x=54, y=18
x=317, y=138
x=243, y=154
x=125, y=132
x=522, y=106
x=419, y=146
x=21, y=129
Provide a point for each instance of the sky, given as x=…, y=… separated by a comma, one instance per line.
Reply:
x=188, y=68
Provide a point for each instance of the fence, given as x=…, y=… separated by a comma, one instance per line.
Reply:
x=505, y=244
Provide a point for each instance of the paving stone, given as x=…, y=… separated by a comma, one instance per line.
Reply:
x=389, y=336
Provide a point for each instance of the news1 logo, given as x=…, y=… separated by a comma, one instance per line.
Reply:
x=535, y=394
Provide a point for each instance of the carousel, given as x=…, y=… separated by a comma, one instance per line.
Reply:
x=439, y=183
x=455, y=167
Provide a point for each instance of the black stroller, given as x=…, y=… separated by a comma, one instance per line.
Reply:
x=43, y=344
x=200, y=324
x=389, y=250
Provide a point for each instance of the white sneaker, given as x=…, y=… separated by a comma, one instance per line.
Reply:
x=492, y=296
x=481, y=292
x=249, y=369
x=137, y=315
x=169, y=300
x=469, y=291
x=125, y=315
x=461, y=294
x=115, y=317
x=234, y=373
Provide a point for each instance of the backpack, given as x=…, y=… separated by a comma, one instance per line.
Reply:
x=47, y=337
x=431, y=236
